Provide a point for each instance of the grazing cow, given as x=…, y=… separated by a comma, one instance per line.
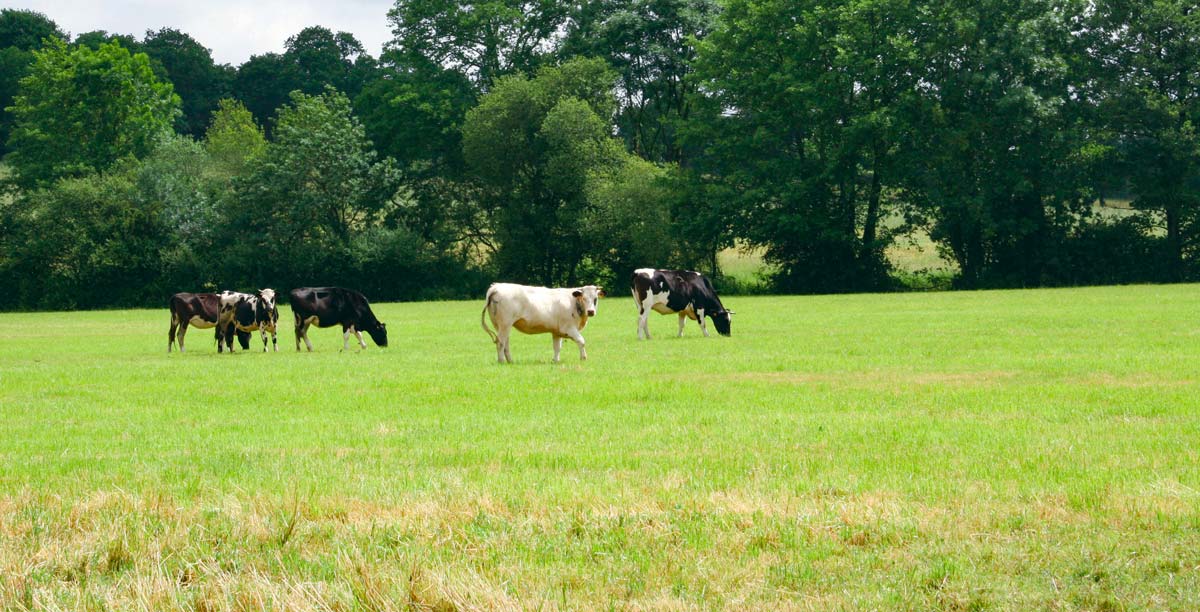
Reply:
x=200, y=310
x=248, y=312
x=688, y=294
x=562, y=313
x=329, y=306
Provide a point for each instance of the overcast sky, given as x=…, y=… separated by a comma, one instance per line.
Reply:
x=233, y=29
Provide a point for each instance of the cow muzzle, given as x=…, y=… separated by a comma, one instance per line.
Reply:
x=591, y=313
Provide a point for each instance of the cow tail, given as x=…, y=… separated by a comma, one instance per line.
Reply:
x=483, y=319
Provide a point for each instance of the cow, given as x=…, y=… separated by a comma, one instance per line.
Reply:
x=563, y=313
x=200, y=310
x=329, y=306
x=688, y=294
x=248, y=312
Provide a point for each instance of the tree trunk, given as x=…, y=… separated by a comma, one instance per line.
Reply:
x=1174, y=244
x=870, y=225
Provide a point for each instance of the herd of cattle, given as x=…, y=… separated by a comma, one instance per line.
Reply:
x=563, y=313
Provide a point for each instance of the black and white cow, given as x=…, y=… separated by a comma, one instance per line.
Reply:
x=200, y=310
x=329, y=306
x=563, y=313
x=248, y=312
x=688, y=294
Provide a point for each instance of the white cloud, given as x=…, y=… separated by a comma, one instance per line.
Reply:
x=233, y=29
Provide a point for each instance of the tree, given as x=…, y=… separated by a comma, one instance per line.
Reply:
x=80, y=110
x=533, y=144
x=25, y=29
x=316, y=185
x=181, y=183
x=314, y=59
x=1000, y=162
x=263, y=83
x=323, y=58
x=21, y=33
x=629, y=221
x=1154, y=77
x=650, y=43
x=416, y=118
x=233, y=139
x=86, y=242
x=482, y=39
x=797, y=130
x=189, y=66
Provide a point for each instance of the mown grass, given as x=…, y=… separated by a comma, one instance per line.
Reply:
x=956, y=451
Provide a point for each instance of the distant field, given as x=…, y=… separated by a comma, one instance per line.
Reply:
x=935, y=451
x=909, y=254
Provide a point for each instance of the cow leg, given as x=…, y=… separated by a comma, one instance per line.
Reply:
x=274, y=342
x=361, y=342
x=299, y=330
x=578, y=338
x=502, y=354
x=643, y=322
x=557, y=346
x=179, y=337
x=346, y=338
x=700, y=320
x=682, y=319
x=263, y=332
x=171, y=333
x=304, y=334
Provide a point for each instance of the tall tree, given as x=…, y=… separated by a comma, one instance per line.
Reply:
x=483, y=39
x=81, y=110
x=314, y=59
x=233, y=140
x=533, y=143
x=800, y=121
x=199, y=82
x=263, y=83
x=25, y=29
x=317, y=185
x=416, y=117
x=997, y=157
x=21, y=32
x=1153, y=61
x=650, y=43
x=322, y=57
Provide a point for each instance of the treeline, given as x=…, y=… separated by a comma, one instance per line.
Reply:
x=561, y=143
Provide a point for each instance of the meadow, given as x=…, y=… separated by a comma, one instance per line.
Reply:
x=1001, y=450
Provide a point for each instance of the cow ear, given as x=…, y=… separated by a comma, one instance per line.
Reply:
x=601, y=292
x=576, y=293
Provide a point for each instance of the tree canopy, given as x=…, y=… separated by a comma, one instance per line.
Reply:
x=54, y=136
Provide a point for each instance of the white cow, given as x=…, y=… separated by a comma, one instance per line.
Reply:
x=562, y=313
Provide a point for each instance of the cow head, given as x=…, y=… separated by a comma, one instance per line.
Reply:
x=265, y=309
x=378, y=334
x=721, y=319
x=586, y=299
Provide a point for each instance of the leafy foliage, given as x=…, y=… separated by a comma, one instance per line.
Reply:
x=482, y=39
x=233, y=139
x=21, y=33
x=198, y=81
x=533, y=144
x=54, y=137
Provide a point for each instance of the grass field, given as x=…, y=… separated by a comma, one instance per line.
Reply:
x=956, y=451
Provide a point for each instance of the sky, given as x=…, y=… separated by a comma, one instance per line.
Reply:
x=233, y=29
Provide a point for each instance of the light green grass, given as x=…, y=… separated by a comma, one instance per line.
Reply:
x=986, y=450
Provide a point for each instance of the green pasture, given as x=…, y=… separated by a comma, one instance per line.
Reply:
x=1006, y=450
